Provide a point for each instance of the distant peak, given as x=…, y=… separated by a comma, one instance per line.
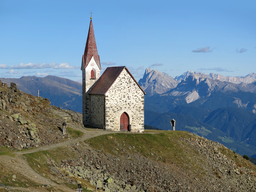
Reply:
x=148, y=70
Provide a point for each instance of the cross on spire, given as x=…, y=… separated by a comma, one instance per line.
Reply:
x=91, y=16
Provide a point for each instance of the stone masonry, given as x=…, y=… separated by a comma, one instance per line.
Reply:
x=97, y=112
x=124, y=96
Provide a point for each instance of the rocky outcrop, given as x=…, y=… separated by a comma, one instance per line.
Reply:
x=27, y=121
x=212, y=168
x=60, y=91
x=155, y=82
x=250, y=78
x=232, y=175
x=131, y=172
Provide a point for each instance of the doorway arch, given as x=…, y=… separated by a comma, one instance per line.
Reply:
x=124, y=122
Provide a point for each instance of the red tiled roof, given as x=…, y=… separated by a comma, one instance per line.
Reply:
x=91, y=48
x=107, y=79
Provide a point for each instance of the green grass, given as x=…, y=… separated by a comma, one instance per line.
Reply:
x=39, y=161
x=6, y=151
x=6, y=178
x=165, y=146
x=38, y=158
x=74, y=133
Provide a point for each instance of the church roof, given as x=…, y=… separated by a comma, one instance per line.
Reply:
x=91, y=48
x=108, y=78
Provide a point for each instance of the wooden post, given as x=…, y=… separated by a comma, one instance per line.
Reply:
x=37, y=93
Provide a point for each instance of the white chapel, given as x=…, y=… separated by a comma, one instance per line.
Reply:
x=113, y=100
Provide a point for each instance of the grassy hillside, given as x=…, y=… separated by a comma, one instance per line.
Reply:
x=59, y=91
x=233, y=127
x=155, y=160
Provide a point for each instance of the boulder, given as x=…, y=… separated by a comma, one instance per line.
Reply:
x=14, y=87
x=5, y=85
x=22, y=121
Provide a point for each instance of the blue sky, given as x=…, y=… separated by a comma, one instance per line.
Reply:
x=47, y=37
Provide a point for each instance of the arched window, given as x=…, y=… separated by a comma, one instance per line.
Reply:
x=93, y=74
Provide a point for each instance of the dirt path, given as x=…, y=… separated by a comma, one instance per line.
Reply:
x=87, y=135
x=20, y=165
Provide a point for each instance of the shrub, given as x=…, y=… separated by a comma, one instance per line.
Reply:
x=246, y=157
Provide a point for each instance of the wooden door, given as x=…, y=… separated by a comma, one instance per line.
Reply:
x=124, y=122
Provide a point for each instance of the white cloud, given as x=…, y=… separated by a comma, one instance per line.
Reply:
x=14, y=72
x=3, y=66
x=203, y=50
x=156, y=64
x=39, y=66
x=64, y=66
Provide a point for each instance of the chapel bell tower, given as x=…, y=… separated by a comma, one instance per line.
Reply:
x=90, y=70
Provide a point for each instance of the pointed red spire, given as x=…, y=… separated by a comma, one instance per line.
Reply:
x=91, y=48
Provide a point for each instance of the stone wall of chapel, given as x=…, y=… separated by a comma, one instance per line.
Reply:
x=97, y=107
x=124, y=96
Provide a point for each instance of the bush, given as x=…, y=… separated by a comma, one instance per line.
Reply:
x=246, y=157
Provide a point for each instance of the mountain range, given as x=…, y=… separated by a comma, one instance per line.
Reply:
x=250, y=78
x=197, y=89
x=216, y=109
x=60, y=91
x=219, y=108
x=155, y=82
